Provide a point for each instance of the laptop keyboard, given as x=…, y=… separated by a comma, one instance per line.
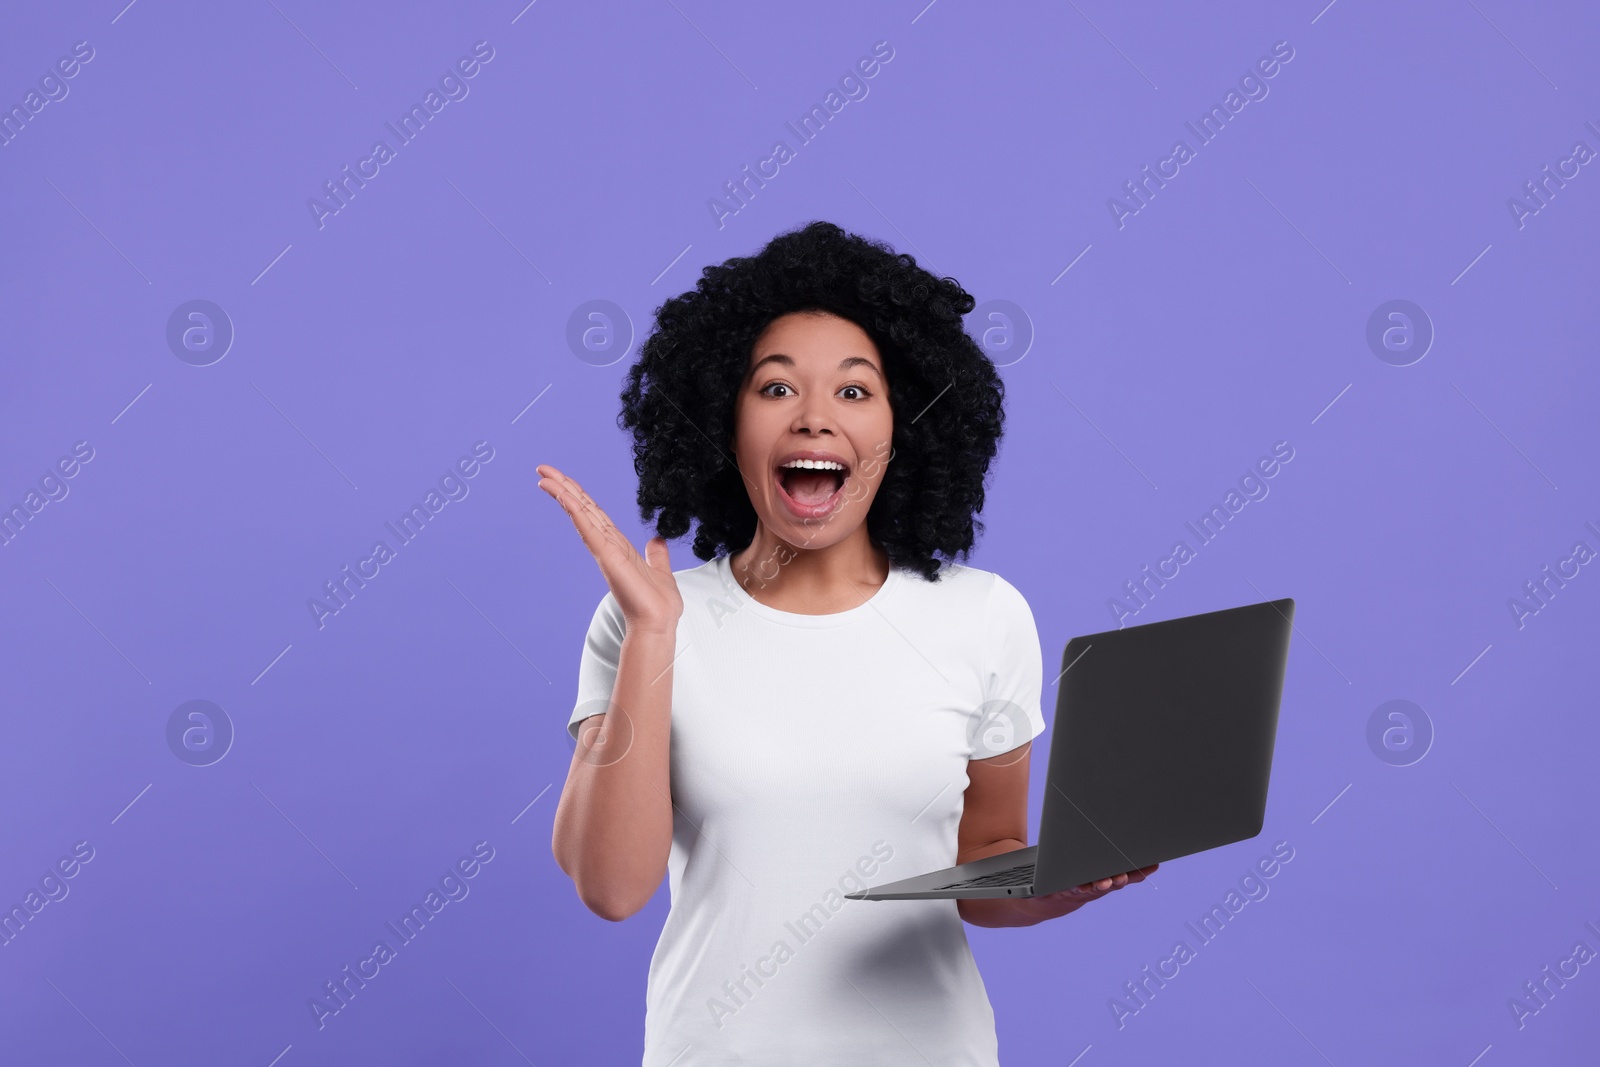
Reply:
x=1010, y=876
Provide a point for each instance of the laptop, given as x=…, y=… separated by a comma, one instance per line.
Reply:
x=1163, y=746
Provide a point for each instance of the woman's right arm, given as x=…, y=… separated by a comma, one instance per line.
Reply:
x=613, y=825
x=613, y=829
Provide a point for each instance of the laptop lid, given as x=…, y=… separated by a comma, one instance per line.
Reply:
x=1165, y=733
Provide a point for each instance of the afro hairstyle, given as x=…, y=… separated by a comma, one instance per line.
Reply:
x=946, y=398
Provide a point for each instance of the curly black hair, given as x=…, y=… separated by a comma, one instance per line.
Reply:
x=944, y=392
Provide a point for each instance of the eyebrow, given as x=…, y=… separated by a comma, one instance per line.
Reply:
x=844, y=364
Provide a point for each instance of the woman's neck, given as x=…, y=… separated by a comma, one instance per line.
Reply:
x=810, y=581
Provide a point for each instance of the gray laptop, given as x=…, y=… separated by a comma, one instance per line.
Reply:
x=1162, y=747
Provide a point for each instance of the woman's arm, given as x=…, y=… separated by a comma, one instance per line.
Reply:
x=994, y=819
x=613, y=826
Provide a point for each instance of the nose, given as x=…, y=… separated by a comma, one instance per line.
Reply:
x=812, y=416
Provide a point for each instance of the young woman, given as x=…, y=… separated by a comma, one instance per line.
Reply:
x=821, y=705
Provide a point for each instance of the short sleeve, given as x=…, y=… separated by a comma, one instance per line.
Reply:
x=1013, y=677
x=597, y=667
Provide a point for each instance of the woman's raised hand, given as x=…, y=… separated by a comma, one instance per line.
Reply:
x=644, y=586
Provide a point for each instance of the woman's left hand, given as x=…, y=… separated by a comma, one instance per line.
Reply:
x=1055, y=905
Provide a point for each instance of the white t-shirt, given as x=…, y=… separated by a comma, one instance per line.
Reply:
x=811, y=756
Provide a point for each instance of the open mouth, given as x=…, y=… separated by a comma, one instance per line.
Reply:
x=810, y=489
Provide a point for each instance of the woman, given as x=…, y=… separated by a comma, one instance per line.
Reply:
x=821, y=705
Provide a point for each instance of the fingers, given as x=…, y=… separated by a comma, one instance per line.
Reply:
x=610, y=547
x=1115, y=882
x=593, y=525
x=655, y=552
x=559, y=483
x=577, y=509
x=563, y=487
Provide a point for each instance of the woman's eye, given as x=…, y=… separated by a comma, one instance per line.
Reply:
x=767, y=390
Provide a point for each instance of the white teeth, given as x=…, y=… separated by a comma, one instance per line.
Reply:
x=814, y=464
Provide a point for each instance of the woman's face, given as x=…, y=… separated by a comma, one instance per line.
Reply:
x=815, y=390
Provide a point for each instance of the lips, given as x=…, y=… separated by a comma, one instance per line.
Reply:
x=811, y=493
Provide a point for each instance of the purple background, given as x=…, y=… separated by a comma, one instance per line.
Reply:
x=1228, y=314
